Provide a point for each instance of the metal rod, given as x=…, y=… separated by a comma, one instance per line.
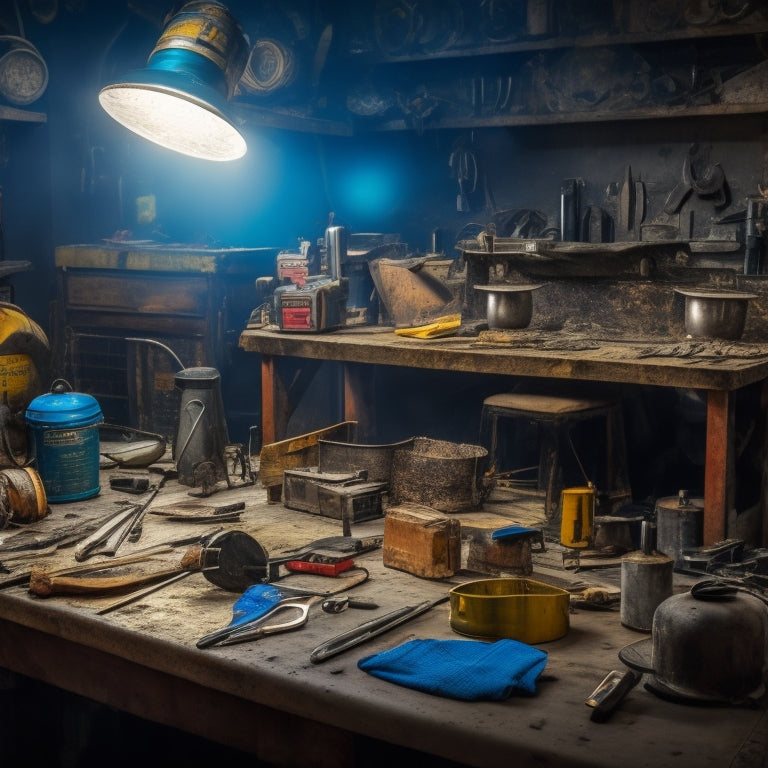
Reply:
x=142, y=593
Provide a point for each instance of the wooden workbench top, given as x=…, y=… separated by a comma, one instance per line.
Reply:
x=143, y=658
x=548, y=354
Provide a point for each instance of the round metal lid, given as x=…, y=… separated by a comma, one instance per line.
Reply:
x=702, y=294
x=506, y=288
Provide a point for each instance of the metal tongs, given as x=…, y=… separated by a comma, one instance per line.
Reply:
x=287, y=614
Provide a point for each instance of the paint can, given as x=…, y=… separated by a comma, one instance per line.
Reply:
x=64, y=439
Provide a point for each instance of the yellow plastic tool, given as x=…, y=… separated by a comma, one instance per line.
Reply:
x=441, y=326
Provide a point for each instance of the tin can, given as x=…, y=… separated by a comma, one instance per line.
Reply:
x=578, y=517
x=64, y=441
x=679, y=525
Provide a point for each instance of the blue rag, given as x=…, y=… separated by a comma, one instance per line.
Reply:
x=471, y=670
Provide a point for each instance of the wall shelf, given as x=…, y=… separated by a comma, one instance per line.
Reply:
x=444, y=67
x=14, y=114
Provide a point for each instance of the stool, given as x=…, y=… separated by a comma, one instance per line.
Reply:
x=555, y=417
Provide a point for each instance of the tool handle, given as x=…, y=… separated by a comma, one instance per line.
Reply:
x=322, y=569
x=44, y=584
x=370, y=629
x=610, y=693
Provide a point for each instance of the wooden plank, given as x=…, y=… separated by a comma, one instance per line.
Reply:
x=298, y=451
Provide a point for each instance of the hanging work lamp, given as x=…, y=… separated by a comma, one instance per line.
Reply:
x=179, y=100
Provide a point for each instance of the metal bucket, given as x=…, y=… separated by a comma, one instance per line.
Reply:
x=443, y=475
x=64, y=440
x=376, y=460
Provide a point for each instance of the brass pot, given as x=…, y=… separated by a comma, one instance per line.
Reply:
x=516, y=608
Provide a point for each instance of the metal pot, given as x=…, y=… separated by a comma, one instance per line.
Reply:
x=508, y=306
x=715, y=314
x=707, y=645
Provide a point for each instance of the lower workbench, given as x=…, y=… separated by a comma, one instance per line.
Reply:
x=265, y=697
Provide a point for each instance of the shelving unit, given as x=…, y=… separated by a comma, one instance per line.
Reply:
x=638, y=61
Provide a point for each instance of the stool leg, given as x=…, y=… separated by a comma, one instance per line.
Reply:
x=550, y=471
x=488, y=437
x=616, y=469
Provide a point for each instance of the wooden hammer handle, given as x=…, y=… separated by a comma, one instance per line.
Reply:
x=44, y=584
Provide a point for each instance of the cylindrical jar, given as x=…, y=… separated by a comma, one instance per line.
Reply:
x=64, y=440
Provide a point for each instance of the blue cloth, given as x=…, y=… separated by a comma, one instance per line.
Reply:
x=471, y=670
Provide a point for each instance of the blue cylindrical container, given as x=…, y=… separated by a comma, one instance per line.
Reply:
x=64, y=441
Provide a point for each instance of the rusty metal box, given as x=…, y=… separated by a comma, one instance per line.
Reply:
x=354, y=502
x=422, y=541
x=340, y=495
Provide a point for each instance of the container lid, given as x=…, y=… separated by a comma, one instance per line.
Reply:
x=704, y=294
x=67, y=409
x=201, y=375
x=506, y=287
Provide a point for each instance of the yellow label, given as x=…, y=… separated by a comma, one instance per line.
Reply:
x=15, y=374
x=185, y=27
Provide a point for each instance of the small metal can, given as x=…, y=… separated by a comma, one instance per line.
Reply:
x=578, y=517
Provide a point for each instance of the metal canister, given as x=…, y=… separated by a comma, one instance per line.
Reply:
x=578, y=516
x=679, y=525
x=64, y=441
x=646, y=581
x=202, y=436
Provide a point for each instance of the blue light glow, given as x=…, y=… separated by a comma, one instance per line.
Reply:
x=370, y=189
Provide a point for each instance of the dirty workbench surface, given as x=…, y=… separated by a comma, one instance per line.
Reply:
x=42, y=637
x=667, y=362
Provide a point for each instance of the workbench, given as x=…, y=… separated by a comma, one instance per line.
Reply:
x=556, y=356
x=265, y=697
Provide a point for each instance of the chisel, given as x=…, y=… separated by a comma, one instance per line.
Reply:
x=371, y=629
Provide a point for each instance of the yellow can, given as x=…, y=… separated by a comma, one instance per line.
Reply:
x=578, y=516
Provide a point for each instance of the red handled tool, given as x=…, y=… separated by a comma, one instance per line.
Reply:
x=320, y=568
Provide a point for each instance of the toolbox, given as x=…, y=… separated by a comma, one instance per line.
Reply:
x=422, y=541
x=355, y=502
x=340, y=495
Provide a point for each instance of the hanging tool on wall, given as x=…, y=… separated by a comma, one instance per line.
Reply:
x=465, y=169
x=700, y=175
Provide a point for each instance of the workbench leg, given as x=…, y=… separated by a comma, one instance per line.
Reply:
x=267, y=399
x=719, y=465
x=359, y=399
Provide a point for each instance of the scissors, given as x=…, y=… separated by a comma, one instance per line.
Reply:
x=287, y=614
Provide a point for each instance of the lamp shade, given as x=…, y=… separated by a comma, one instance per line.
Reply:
x=179, y=100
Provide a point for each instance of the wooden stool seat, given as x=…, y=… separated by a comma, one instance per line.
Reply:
x=555, y=416
x=543, y=405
